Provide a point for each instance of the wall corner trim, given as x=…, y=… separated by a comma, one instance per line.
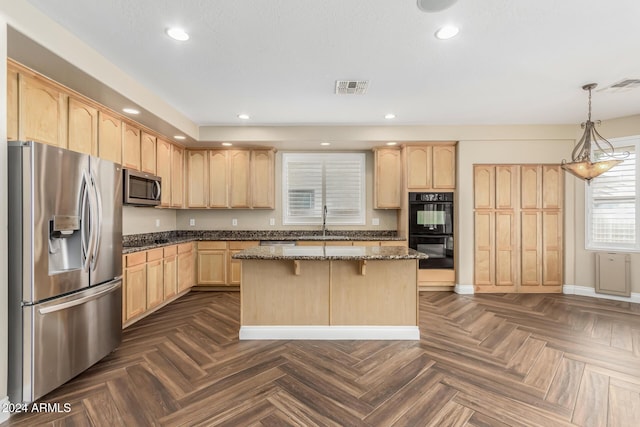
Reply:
x=587, y=291
x=464, y=289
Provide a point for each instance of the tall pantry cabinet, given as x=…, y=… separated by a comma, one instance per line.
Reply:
x=518, y=212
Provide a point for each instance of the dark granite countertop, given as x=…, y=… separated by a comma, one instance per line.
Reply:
x=323, y=253
x=142, y=242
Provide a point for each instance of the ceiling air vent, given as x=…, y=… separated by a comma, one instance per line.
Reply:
x=622, y=85
x=351, y=87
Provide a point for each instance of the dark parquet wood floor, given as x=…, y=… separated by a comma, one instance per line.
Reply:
x=483, y=360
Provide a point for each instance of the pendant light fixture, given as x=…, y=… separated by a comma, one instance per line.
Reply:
x=581, y=164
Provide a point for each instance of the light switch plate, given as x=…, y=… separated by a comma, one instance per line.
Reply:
x=234, y=222
x=157, y=222
x=375, y=221
x=272, y=221
x=192, y=222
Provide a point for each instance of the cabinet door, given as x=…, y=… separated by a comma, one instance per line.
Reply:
x=41, y=112
x=109, y=137
x=186, y=268
x=212, y=267
x=484, y=185
x=530, y=186
x=240, y=178
x=506, y=187
x=177, y=177
x=218, y=179
x=552, y=187
x=136, y=290
x=419, y=167
x=163, y=170
x=531, y=257
x=170, y=273
x=263, y=179
x=148, y=153
x=552, y=249
x=131, y=147
x=155, y=283
x=484, y=249
x=82, y=131
x=388, y=178
x=506, y=251
x=198, y=177
x=12, y=104
x=444, y=166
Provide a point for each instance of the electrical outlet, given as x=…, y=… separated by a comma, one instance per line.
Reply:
x=157, y=222
x=272, y=221
x=375, y=221
x=234, y=222
x=192, y=222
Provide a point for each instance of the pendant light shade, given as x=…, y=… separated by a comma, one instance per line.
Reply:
x=434, y=5
x=582, y=165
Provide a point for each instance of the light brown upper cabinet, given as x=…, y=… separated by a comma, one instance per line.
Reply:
x=431, y=166
x=219, y=178
x=163, y=170
x=262, y=179
x=198, y=178
x=388, y=178
x=177, y=177
x=109, y=137
x=148, y=153
x=12, y=104
x=41, y=112
x=239, y=178
x=131, y=147
x=82, y=131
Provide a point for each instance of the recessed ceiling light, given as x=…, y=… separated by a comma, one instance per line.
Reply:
x=131, y=110
x=447, y=32
x=243, y=116
x=389, y=116
x=178, y=34
x=180, y=137
x=325, y=143
x=227, y=144
x=392, y=143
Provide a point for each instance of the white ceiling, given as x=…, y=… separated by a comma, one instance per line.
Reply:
x=514, y=62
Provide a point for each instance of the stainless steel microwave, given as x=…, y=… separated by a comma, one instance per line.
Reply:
x=141, y=188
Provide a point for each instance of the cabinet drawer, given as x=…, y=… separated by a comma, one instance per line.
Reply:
x=238, y=245
x=212, y=245
x=154, y=254
x=185, y=247
x=170, y=250
x=136, y=258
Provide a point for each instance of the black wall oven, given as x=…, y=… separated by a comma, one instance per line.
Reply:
x=431, y=228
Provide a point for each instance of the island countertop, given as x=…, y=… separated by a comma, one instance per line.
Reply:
x=322, y=253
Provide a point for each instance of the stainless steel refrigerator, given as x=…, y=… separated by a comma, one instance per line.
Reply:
x=65, y=265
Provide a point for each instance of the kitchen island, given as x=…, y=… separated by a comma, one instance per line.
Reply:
x=329, y=292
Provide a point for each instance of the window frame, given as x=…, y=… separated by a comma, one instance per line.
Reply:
x=617, y=143
x=359, y=219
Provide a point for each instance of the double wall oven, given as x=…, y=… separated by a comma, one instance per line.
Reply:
x=431, y=228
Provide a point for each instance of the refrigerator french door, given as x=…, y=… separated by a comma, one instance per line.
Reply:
x=65, y=265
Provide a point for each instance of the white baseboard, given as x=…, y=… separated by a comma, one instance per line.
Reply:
x=4, y=416
x=329, y=333
x=464, y=289
x=591, y=292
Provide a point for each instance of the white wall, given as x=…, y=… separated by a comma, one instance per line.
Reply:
x=137, y=220
x=3, y=215
x=515, y=151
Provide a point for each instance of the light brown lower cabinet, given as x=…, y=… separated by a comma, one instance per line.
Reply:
x=215, y=266
x=154, y=278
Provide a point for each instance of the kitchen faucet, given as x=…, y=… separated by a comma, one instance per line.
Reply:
x=324, y=220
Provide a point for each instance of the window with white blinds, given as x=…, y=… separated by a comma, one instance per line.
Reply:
x=613, y=206
x=311, y=181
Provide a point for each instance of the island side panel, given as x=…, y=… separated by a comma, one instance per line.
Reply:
x=272, y=294
x=386, y=294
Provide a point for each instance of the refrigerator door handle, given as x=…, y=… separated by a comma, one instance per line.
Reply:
x=96, y=220
x=86, y=240
x=78, y=301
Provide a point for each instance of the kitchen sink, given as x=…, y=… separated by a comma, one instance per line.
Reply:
x=317, y=237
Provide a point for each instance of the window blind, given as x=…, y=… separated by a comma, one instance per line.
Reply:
x=612, y=211
x=314, y=180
